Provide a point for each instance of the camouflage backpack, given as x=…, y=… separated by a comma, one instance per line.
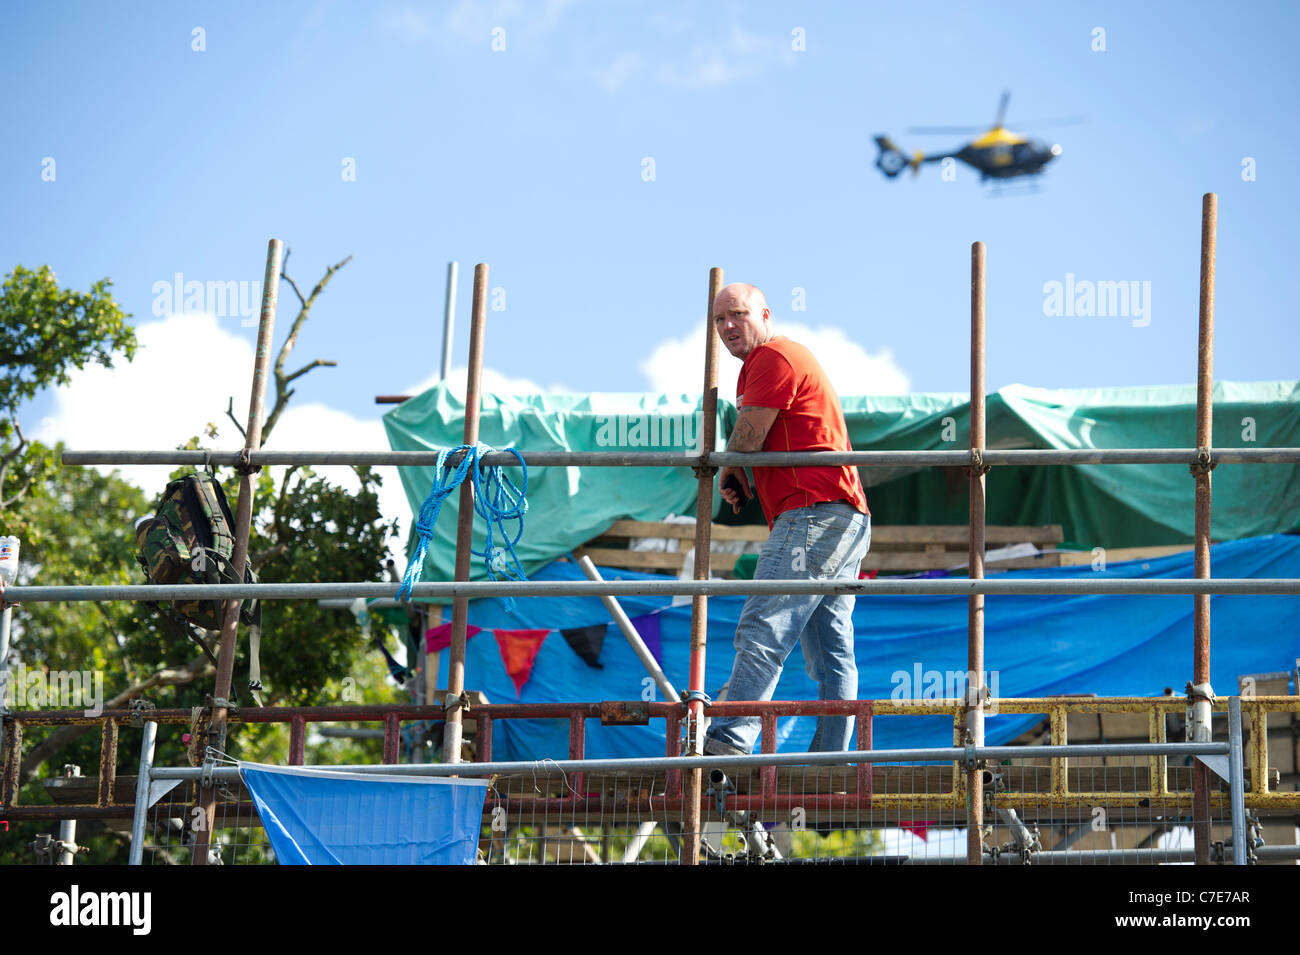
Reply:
x=191, y=540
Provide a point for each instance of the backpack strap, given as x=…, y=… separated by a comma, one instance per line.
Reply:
x=254, y=653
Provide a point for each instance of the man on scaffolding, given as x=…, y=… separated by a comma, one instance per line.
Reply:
x=818, y=517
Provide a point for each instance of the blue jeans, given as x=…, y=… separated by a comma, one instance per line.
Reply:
x=825, y=541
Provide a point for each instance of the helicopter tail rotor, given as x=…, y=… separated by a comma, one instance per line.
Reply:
x=891, y=160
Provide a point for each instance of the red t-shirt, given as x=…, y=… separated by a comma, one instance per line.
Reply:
x=784, y=375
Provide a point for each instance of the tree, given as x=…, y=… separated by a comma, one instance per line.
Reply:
x=45, y=332
x=77, y=528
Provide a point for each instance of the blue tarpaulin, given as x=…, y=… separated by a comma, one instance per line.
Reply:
x=323, y=817
x=1034, y=646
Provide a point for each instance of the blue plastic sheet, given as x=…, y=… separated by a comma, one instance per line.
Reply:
x=320, y=817
x=1034, y=646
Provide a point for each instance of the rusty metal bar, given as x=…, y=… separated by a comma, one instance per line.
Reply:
x=975, y=602
x=13, y=763
x=243, y=520
x=392, y=739
x=700, y=603
x=865, y=782
x=673, y=747
x=297, y=740
x=592, y=710
x=1259, y=747
x=1158, y=767
x=577, y=747
x=483, y=741
x=452, y=732
x=107, y=762
x=767, y=737
x=1201, y=721
x=1059, y=723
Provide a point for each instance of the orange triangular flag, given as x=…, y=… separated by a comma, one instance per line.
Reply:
x=518, y=651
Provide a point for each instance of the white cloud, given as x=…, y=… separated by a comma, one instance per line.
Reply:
x=619, y=72
x=475, y=19
x=677, y=364
x=406, y=21
x=741, y=55
x=170, y=391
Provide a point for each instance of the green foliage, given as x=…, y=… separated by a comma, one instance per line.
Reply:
x=77, y=527
x=46, y=331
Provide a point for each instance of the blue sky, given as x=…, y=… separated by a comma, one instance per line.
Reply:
x=532, y=158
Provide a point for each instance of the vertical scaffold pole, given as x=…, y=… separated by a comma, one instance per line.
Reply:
x=243, y=519
x=448, y=319
x=975, y=608
x=1200, y=692
x=465, y=526
x=700, y=605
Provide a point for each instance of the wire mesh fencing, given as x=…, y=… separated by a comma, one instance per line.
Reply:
x=1084, y=803
x=1084, y=810
x=174, y=822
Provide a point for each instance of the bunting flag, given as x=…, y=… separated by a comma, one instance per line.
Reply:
x=439, y=637
x=586, y=643
x=518, y=651
x=648, y=627
x=918, y=828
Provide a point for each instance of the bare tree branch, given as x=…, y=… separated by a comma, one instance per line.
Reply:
x=9, y=459
x=196, y=669
x=230, y=412
x=282, y=391
x=318, y=363
x=284, y=268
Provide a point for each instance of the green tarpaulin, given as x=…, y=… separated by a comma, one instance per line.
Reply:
x=1098, y=505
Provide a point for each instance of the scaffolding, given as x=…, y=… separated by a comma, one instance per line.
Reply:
x=965, y=795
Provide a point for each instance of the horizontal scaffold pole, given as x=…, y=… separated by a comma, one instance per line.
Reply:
x=662, y=588
x=678, y=459
x=652, y=764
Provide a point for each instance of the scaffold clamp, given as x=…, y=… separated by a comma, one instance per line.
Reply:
x=138, y=708
x=977, y=465
x=453, y=701
x=690, y=696
x=246, y=465
x=1204, y=462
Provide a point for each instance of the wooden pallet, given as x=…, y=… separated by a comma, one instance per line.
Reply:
x=902, y=549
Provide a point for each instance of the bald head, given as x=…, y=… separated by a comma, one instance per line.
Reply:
x=742, y=318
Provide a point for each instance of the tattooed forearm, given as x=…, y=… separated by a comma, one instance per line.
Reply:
x=751, y=429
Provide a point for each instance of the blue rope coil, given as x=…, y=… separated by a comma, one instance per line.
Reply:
x=496, y=500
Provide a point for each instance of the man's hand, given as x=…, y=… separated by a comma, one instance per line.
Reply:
x=749, y=434
x=729, y=495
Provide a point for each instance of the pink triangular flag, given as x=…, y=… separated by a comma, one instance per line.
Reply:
x=439, y=637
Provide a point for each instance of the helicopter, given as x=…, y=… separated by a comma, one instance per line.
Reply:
x=997, y=154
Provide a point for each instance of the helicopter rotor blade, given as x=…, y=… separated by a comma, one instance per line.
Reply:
x=1002, y=109
x=1040, y=123
x=944, y=130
